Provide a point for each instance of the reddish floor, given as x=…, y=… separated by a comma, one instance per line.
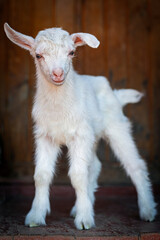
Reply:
x=116, y=215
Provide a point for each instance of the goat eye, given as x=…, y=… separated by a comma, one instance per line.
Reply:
x=38, y=56
x=71, y=53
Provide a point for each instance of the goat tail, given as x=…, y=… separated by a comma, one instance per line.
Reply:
x=126, y=96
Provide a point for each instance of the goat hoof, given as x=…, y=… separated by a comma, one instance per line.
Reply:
x=33, y=225
x=148, y=215
x=84, y=224
x=34, y=220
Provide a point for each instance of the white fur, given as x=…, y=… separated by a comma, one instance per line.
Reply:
x=78, y=112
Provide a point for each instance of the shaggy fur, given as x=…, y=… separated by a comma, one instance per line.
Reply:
x=77, y=110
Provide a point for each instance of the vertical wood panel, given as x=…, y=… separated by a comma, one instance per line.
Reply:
x=3, y=71
x=16, y=123
x=44, y=15
x=65, y=14
x=93, y=23
x=115, y=52
x=31, y=88
x=78, y=61
x=155, y=87
x=138, y=71
x=115, y=24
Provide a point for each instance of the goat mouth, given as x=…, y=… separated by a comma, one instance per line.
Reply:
x=58, y=83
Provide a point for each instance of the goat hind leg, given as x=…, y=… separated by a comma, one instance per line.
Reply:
x=94, y=171
x=119, y=136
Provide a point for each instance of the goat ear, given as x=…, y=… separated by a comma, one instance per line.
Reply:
x=81, y=39
x=20, y=39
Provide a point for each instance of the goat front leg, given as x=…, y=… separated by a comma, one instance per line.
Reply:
x=45, y=159
x=80, y=157
x=119, y=134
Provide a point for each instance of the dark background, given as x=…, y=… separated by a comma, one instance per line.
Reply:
x=129, y=55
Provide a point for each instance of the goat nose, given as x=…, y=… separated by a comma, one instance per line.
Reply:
x=58, y=72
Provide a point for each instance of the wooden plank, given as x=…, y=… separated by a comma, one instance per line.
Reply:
x=64, y=17
x=138, y=72
x=93, y=24
x=16, y=122
x=115, y=57
x=3, y=70
x=78, y=61
x=154, y=7
x=115, y=24
x=31, y=87
x=44, y=15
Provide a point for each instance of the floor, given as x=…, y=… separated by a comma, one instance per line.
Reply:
x=116, y=215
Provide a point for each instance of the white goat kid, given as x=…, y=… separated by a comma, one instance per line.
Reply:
x=77, y=110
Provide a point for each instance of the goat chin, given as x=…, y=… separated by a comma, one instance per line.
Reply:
x=78, y=113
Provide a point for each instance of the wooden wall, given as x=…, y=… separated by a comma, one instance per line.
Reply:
x=129, y=55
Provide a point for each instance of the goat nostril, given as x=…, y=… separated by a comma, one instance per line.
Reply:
x=55, y=74
x=58, y=73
